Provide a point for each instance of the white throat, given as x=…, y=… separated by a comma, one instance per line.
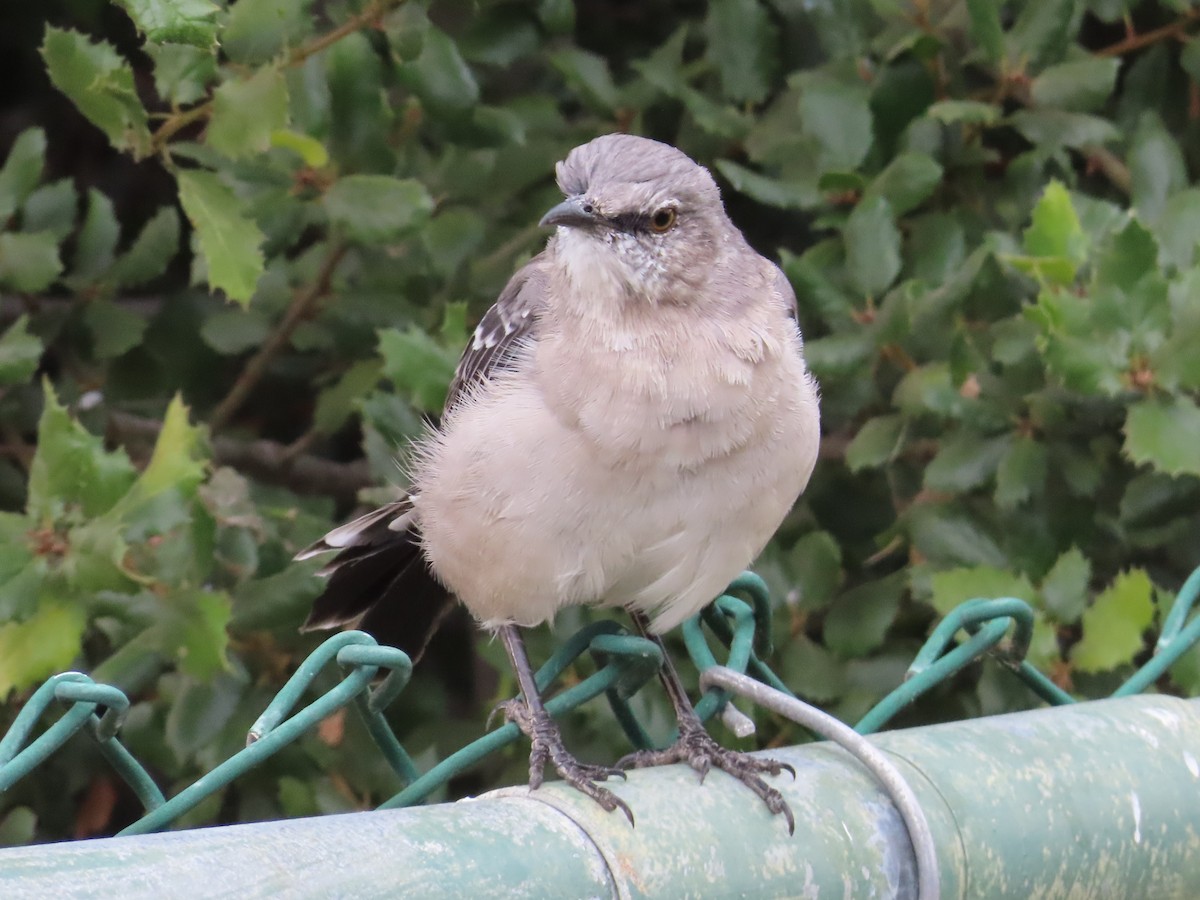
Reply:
x=614, y=266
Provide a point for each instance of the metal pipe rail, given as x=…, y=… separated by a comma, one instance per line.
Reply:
x=1097, y=799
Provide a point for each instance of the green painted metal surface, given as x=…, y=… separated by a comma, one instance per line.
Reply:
x=1094, y=800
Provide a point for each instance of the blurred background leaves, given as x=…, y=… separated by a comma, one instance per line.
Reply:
x=241, y=246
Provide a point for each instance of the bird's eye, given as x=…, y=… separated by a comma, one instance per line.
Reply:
x=664, y=219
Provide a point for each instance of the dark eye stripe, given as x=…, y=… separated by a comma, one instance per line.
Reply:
x=634, y=223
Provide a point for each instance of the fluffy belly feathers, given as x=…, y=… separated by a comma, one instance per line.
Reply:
x=541, y=513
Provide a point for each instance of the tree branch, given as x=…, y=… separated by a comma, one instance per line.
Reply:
x=1145, y=39
x=303, y=305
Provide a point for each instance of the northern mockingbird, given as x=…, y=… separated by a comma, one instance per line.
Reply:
x=629, y=425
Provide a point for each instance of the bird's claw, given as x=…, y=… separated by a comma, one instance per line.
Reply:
x=547, y=747
x=699, y=750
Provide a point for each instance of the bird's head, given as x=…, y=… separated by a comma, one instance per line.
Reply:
x=641, y=218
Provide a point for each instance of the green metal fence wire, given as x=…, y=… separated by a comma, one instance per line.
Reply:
x=624, y=663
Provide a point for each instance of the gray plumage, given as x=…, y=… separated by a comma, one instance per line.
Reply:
x=636, y=366
x=628, y=426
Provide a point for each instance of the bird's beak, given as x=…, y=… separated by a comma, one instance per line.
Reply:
x=574, y=212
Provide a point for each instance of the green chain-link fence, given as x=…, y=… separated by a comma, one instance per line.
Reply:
x=998, y=627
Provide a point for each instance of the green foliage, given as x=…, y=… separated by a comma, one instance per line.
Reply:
x=989, y=212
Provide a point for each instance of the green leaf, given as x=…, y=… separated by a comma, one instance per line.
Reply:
x=277, y=601
x=986, y=30
x=953, y=587
x=419, y=366
x=1175, y=362
x=1051, y=128
x=811, y=671
x=152, y=250
x=376, y=208
x=1021, y=473
x=178, y=460
x=22, y=170
x=500, y=36
x=1055, y=235
x=816, y=564
x=965, y=461
x=182, y=73
x=859, y=619
x=309, y=149
x=20, y=353
x=229, y=240
x=35, y=649
x=771, y=191
x=876, y=443
x=199, y=712
x=246, y=113
x=907, y=182
x=1131, y=254
x=440, y=76
x=71, y=466
x=51, y=208
x=587, y=75
x=233, y=331
x=337, y=403
x=1065, y=587
x=1043, y=31
x=1165, y=434
x=1179, y=228
x=174, y=21
x=259, y=30
x=195, y=632
x=97, y=241
x=928, y=389
x=837, y=115
x=948, y=538
x=742, y=47
x=115, y=329
x=29, y=262
x=99, y=81
x=967, y=112
x=1113, y=625
x=1082, y=85
x=1156, y=166
x=872, y=247
x=452, y=237
x=664, y=71
x=558, y=16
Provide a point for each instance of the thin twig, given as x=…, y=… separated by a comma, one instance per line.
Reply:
x=369, y=16
x=304, y=304
x=1146, y=38
x=1112, y=166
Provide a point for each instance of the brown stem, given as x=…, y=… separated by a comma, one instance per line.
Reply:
x=370, y=15
x=1137, y=41
x=1113, y=168
x=304, y=304
x=178, y=121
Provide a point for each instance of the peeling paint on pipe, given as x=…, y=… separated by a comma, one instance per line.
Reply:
x=1096, y=800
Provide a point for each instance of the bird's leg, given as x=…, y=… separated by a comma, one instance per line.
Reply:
x=697, y=747
x=529, y=714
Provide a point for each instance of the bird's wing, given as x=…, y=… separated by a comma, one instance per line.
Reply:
x=379, y=580
x=503, y=330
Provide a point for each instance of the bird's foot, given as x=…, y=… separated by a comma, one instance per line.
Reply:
x=548, y=746
x=699, y=750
